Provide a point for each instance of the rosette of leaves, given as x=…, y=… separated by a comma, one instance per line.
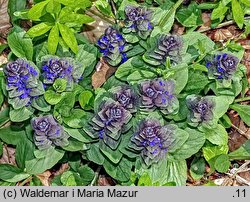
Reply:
x=126, y=96
x=138, y=21
x=48, y=132
x=60, y=19
x=23, y=86
x=152, y=141
x=61, y=68
x=109, y=123
x=222, y=66
x=163, y=47
x=159, y=94
x=113, y=46
x=201, y=109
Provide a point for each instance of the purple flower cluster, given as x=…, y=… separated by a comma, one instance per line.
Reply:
x=222, y=66
x=48, y=132
x=158, y=93
x=201, y=109
x=65, y=68
x=109, y=122
x=138, y=21
x=152, y=141
x=113, y=46
x=168, y=46
x=126, y=96
x=22, y=83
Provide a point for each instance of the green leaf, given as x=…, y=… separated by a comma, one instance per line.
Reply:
x=198, y=167
x=39, y=29
x=21, y=46
x=140, y=75
x=217, y=135
x=40, y=104
x=20, y=115
x=211, y=151
x=246, y=2
x=76, y=119
x=60, y=85
x=13, y=6
x=68, y=179
x=145, y=180
x=221, y=105
x=86, y=174
x=11, y=173
x=53, y=7
x=94, y=154
x=1, y=149
x=39, y=165
x=180, y=137
x=121, y=171
x=181, y=79
x=37, y=10
x=244, y=112
x=68, y=37
x=52, y=97
x=12, y=135
x=86, y=100
x=189, y=17
x=238, y=13
x=76, y=4
x=87, y=56
x=79, y=135
x=104, y=7
x=193, y=144
x=74, y=145
x=113, y=155
x=175, y=171
x=76, y=18
x=4, y=116
x=66, y=104
x=222, y=163
x=3, y=47
x=219, y=12
x=24, y=152
x=53, y=40
x=243, y=153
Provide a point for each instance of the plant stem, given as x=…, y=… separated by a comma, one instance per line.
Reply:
x=4, y=123
x=96, y=176
x=169, y=13
x=101, y=16
x=26, y=181
x=242, y=99
x=227, y=23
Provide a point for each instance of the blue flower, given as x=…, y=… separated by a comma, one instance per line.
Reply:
x=222, y=66
x=152, y=141
x=167, y=46
x=23, y=83
x=48, y=132
x=160, y=94
x=201, y=109
x=113, y=46
x=138, y=21
x=65, y=68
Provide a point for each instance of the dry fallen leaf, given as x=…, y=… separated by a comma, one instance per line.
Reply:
x=64, y=167
x=222, y=35
x=45, y=178
x=105, y=181
x=94, y=30
x=103, y=72
x=5, y=19
x=8, y=155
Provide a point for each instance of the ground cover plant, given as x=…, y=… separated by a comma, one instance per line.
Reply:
x=149, y=99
